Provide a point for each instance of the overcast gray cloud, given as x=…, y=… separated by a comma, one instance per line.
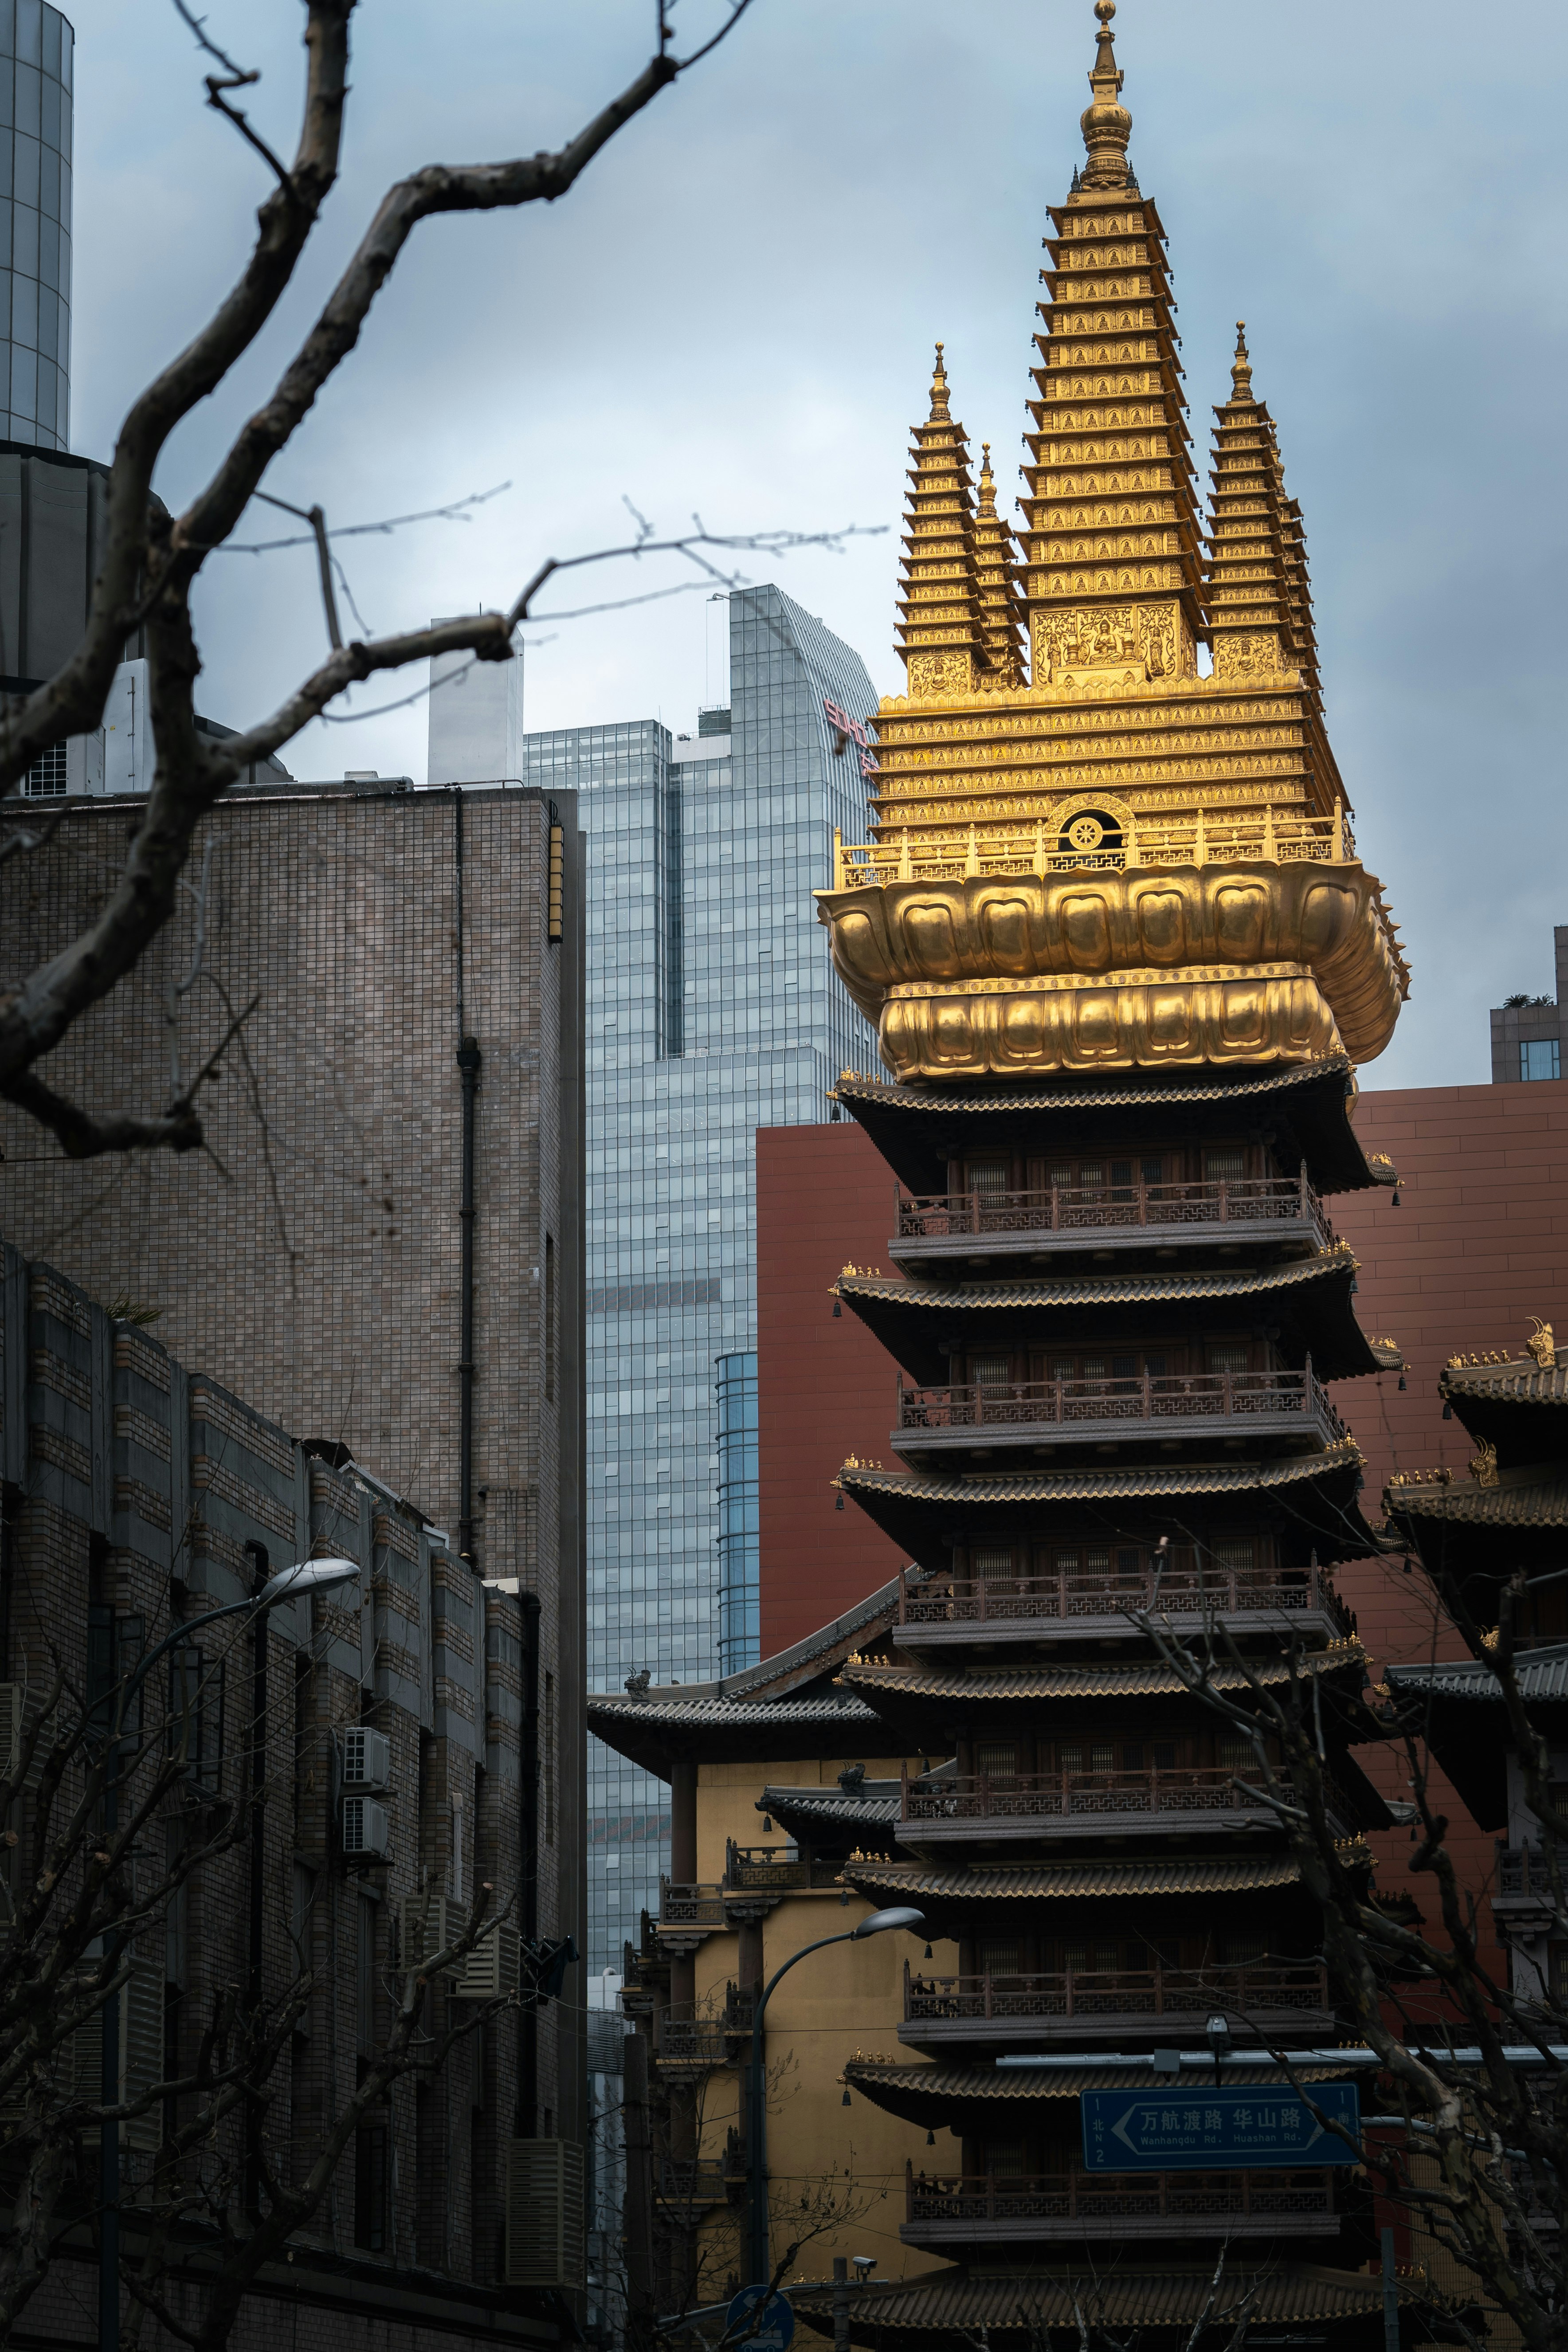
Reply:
x=733, y=314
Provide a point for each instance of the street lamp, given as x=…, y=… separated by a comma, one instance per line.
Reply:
x=285, y=1584
x=874, y=1923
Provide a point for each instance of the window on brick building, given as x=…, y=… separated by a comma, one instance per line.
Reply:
x=1540, y=1057
x=196, y=1717
x=370, y=2188
x=549, y=1760
x=549, y=1318
x=365, y=1910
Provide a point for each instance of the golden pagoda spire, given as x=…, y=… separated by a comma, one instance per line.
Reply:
x=1244, y=586
x=996, y=585
x=1260, y=609
x=1106, y=126
x=940, y=607
x=1111, y=536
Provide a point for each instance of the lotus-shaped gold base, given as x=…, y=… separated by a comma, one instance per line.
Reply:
x=1245, y=961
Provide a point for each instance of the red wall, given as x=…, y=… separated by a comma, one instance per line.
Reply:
x=825, y=1387
x=1478, y=1244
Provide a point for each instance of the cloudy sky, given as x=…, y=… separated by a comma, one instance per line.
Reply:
x=732, y=315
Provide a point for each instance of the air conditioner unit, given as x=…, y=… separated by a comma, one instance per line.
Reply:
x=367, y=1758
x=492, y=1968
x=431, y=1922
x=367, y=1830
x=544, y=2213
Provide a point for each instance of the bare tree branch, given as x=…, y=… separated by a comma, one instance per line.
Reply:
x=152, y=560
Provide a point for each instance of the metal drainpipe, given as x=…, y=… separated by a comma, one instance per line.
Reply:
x=528, y=1859
x=468, y=1059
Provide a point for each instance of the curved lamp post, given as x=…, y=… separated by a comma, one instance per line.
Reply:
x=760, y=2251
x=284, y=1584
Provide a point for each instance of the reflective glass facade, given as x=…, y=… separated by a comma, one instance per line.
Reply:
x=713, y=1011
x=740, y=1596
x=36, y=73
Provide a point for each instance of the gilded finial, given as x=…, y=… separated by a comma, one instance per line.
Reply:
x=939, y=409
x=987, y=482
x=1106, y=124
x=1241, y=366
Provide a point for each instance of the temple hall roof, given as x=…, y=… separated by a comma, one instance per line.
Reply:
x=1457, y=1523
x=654, y=1731
x=1515, y=1405
x=948, y=2309
x=829, y=1814
x=1463, y=1718
x=968, y=2097
x=1038, y=1882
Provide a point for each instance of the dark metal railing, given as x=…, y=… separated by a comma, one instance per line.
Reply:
x=984, y=2198
x=1166, y=1397
x=1098, y=1592
x=1249, y=1991
x=1090, y=1208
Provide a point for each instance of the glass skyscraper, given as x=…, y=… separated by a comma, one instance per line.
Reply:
x=713, y=1011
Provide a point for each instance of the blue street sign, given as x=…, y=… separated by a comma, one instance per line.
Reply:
x=1198, y=2127
x=774, y=2328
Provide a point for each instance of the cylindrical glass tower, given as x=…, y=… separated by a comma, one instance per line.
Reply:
x=740, y=1594
x=35, y=47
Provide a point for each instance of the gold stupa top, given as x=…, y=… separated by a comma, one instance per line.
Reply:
x=1059, y=723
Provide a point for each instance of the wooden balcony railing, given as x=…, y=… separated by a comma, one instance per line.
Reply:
x=1167, y=1399
x=692, y=2042
x=1057, y=1796
x=691, y=2182
x=761, y=1869
x=1093, y=1208
x=980, y=2201
x=1257, y=1989
x=690, y=1906
x=1068, y=1593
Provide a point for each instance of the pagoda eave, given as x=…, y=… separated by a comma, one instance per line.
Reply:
x=929, y=1514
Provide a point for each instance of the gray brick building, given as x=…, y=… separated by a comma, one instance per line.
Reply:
x=313, y=1262
x=138, y=1493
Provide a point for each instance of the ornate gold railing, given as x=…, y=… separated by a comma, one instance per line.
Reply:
x=1197, y=840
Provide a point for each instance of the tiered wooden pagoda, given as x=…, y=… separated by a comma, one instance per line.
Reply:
x=1123, y=959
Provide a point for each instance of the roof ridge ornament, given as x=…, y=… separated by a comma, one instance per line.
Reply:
x=1106, y=124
